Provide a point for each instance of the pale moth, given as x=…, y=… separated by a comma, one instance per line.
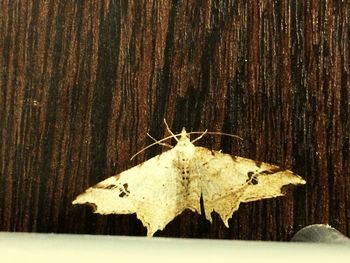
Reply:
x=162, y=187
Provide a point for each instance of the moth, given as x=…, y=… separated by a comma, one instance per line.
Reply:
x=162, y=187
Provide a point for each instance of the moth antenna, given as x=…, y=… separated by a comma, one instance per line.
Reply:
x=214, y=133
x=149, y=135
x=199, y=137
x=167, y=127
x=160, y=143
x=152, y=144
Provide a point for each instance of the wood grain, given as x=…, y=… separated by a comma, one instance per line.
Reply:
x=81, y=82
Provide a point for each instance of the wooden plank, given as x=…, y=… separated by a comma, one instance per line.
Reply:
x=81, y=82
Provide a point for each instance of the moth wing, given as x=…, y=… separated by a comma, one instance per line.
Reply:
x=226, y=181
x=148, y=189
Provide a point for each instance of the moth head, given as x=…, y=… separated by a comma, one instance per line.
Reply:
x=184, y=137
x=184, y=145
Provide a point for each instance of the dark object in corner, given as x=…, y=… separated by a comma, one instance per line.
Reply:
x=320, y=233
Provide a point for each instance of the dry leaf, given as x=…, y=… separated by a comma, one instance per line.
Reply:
x=164, y=186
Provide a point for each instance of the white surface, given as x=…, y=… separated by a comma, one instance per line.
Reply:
x=26, y=247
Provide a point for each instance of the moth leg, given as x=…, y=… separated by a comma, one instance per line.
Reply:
x=160, y=143
x=199, y=137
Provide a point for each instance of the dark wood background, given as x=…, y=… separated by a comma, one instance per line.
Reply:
x=83, y=81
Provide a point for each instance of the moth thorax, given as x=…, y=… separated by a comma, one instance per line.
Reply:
x=185, y=151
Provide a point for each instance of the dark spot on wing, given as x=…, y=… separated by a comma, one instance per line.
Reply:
x=252, y=179
x=124, y=190
x=272, y=170
x=122, y=194
x=250, y=174
x=111, y=186
x=126, y=187
x=101, y=186
x=275, y=169
x=267, y=172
